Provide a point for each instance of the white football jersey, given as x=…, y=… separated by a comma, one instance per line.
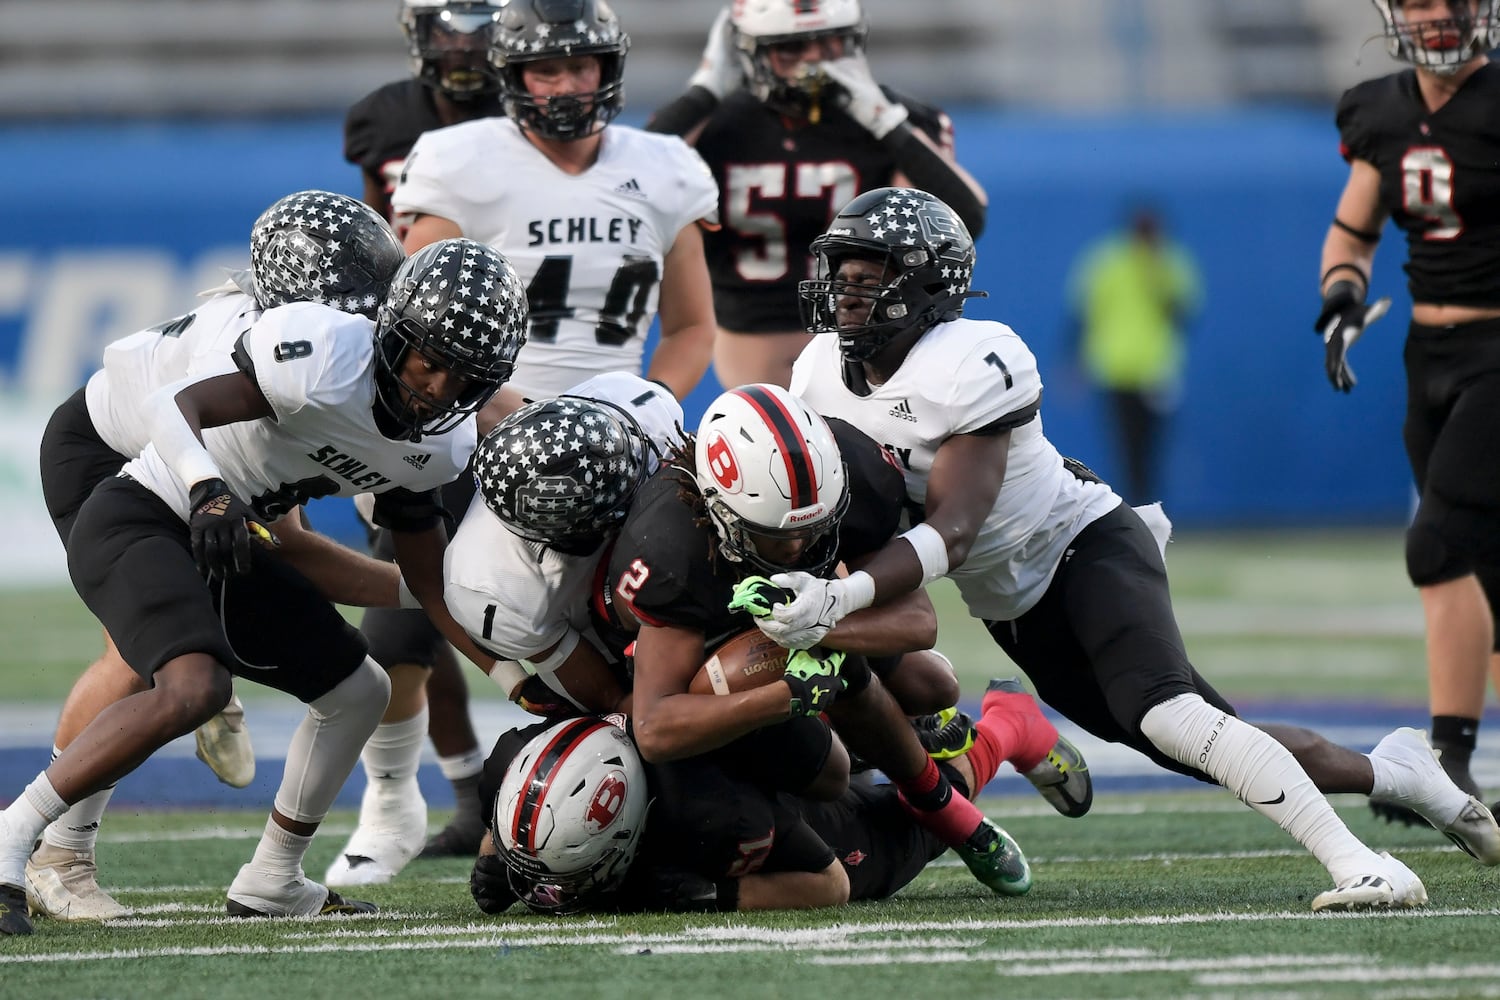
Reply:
x=316, y=368
x=196, y=343
x=590, y=247
x=517, y=598
x=961, y=377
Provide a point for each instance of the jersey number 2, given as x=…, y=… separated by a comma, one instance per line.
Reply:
x=1427, y=191
x=624, y=303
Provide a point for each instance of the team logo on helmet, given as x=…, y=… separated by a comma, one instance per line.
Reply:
x=721, y=463
x=607, y=801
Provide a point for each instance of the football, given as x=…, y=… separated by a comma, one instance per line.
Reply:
x=749, y=660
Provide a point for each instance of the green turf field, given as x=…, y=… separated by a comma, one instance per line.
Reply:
x=1150, y=896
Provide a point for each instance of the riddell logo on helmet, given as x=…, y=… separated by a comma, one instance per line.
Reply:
x=800, y=517
x=605, y=805
x=721, y=463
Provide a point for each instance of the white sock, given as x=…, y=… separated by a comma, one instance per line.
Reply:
x=280, y=852
x=78, y=828
x=1264, y=775
x=464, y=765
x=327, y=743
x=22, y=822
x=392, y=756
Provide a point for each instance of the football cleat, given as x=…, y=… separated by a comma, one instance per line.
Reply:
x=254, y=895
x=1426, y=790
x=224, y=745
x=1062, y=776
x=995, y=859
x=1393, y=886
x=392, y=830
x=13, y=916
x=456, y=840
x=63, y=884
x=946, y=734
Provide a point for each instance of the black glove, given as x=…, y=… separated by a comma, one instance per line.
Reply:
x=489, y=884
x=813, y=676
x=220, y=525
x=1343, y=318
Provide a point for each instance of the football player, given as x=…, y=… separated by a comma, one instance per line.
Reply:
x=599, y=220
x=451, y=81
x=711, y=841
x=172, y=558
x=765, y=490
x=1068, y=580
x=448, y=43
x=1423, y=147
x=311, y=246
x=787, y=115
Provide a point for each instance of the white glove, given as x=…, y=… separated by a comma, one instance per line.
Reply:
x=719, y=71
x=818, y=606
x=862, y=97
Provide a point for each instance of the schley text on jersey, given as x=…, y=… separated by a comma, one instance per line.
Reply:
x=583, y=229
x=349, y=468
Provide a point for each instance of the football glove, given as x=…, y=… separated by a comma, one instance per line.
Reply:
x=818, y=606
x=1343, y=318
x=861, y=97
x=756, y=596
x=719, y=70
x=814, y=679
x=489, y=884
x=220, y=525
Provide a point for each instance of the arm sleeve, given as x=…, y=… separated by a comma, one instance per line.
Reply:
x=685, y=113
x=929, y=170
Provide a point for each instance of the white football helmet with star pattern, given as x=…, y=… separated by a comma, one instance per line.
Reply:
x=462, y=305
x=928, y=257
x=318, y=246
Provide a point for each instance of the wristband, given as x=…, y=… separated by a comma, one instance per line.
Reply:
x=508, y=675
x=859, y=588
x=931, y=551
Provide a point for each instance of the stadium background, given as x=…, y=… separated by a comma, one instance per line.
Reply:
x=141, y=140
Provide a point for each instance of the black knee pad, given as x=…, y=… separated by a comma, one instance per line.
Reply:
x=1432, y=556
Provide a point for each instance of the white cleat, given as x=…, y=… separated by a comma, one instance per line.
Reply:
x=63, y=884
x=1391, y=886
x=224, y=745
x=387, y=837
x=1425, y=788
x=253, y=894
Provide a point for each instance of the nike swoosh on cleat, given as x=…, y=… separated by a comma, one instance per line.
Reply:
x=1278, y=800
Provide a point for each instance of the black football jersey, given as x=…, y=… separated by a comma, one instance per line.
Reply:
x=666, y=550
x=1439, y=179
x=382, y=126
x=780, y=184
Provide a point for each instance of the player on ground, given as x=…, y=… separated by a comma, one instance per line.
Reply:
x=451, y=81
x=598, y=219
x=311, y=246
x=766, y=489
x=1423, y=147
x=1068, y=580
x=785, y=111
x=320, y=403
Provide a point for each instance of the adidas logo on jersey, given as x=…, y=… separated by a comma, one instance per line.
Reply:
x=902, y=411
x=631, y=187
x=416, y=461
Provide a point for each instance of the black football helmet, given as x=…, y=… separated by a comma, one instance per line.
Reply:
x=448, y=43
x=1442, y=46
x=532, y=30
x=462, y=305
x=318, y=246
x=928, y=257
x=563, y=471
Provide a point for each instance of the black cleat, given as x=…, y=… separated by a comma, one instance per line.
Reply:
x=946, y=734
x=456, y=840
x=14, y=917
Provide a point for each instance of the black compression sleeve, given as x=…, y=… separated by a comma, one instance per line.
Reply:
x=927, y=170
x=685, y=113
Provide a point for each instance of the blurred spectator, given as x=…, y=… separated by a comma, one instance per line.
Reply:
x=1131, y=296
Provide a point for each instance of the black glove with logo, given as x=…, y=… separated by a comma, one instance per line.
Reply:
x=489, y=884
x=1343, y=318
x=813, y=676
x=220, y=524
